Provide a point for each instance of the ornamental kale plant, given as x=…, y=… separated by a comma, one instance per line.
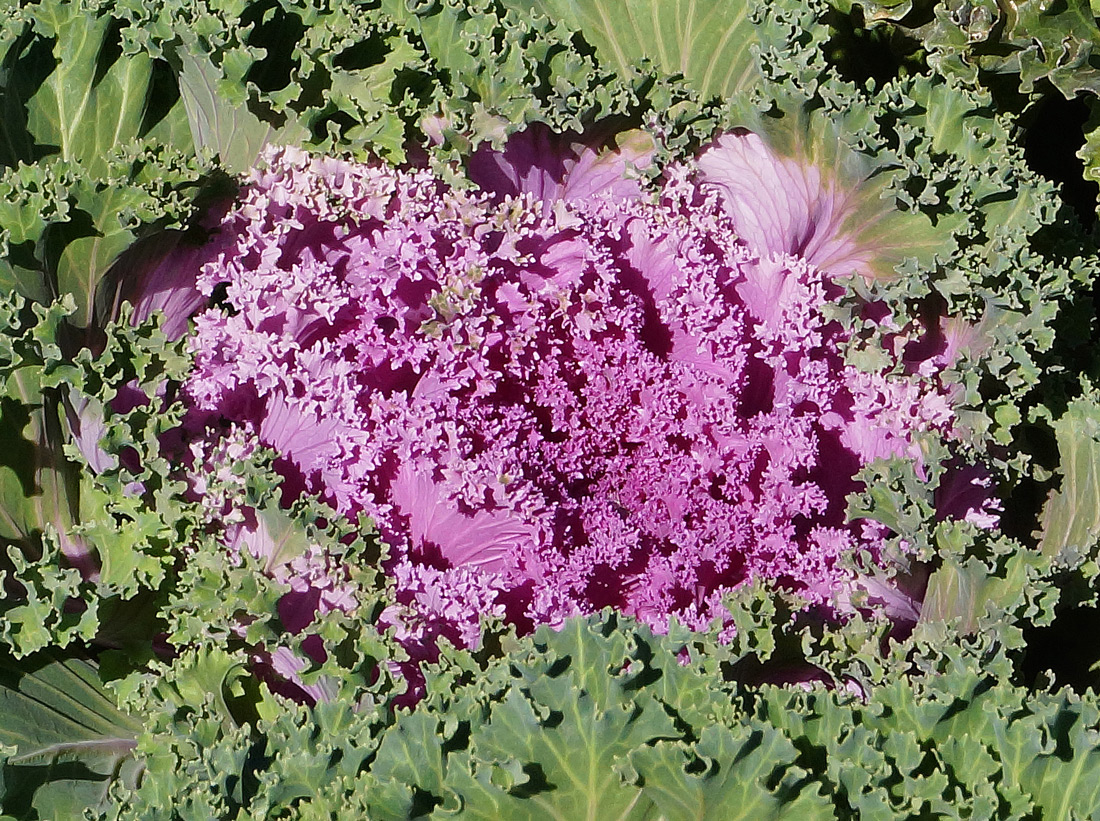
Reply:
x=565, y=391
x=589, y=409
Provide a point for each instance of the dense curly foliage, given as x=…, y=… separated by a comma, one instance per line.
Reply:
x=604, y=715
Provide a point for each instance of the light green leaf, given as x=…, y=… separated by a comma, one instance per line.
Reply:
x=38, y=486
x=1066, y=783
x=969, y=591
x=410, y=759
x=709, y=42
x=94, y=98
x=1070, y=522
x=82, y=175
x=282, y=537
x=529, y=762
x=734, y=785
x=93, y=237
x=223, y=126
x=70, y=739
x=122, y=528
x=1035, y=39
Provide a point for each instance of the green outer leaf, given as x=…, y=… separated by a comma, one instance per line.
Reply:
x=585, y=723
x=1046, y=747
x=410, y=754
x=1089, y=153
x=1036, y=39
x=741, y=761
x=48, y=702
x=70, y=226
x=709, y=42
x=39, y=488
x=981, y=592
x=87, y=105
x=70, y=739
x=78, y=143
x=1069, y=786
x=223, y=126
x=94, y=236
x=575, y=748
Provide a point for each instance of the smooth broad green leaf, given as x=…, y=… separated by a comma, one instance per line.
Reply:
x=280, y=537
x=410, y=762
x=709, y=42
x=16, y=470
x=1066, y=782
x=1070, y=522
x=16, y=144
x=225, y=127
x=70, y=739
x=957, y=593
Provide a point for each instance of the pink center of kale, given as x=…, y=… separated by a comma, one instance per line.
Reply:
x=549, y=407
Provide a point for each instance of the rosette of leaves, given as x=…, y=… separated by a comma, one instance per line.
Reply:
x=369, y=81
x=1014, y=302
x=971, y=245
x=940, y=152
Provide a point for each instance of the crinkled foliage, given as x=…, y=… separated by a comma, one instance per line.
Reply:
x=602, y=716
